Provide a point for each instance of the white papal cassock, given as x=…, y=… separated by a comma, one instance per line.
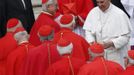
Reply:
x=114, y=25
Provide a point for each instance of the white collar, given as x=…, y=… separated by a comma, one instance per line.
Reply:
x=23, y=42
x=46, y=13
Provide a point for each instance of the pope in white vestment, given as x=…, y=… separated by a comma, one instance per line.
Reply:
x=109, y=25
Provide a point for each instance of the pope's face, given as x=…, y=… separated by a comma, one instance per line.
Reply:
x=103, y=4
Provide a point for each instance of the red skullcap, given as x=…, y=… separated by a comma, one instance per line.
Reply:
x=66, y=19
x=44, y=1
x=96, y=48
x=63, y=43
x=45, y=30
x=131, y=54
x=19, y=29
x=12, y=22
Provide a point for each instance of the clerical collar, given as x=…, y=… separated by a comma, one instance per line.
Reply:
x=46, y=13
x=66, y=55
x=23, y=42
x=98, y=58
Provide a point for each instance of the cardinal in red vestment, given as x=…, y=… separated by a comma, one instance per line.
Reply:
x=67, y=65
x=46, y=17
x=16, y=58
x=79, y=8
x=80, y=49
x=41, y=57
x=8, y=43
x=99, y=66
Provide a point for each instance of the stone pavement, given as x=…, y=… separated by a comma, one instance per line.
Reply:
x=36, y=2
x=37, y=11
x=36, y=7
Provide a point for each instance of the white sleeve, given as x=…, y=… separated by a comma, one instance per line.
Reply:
x=57, y=19
x=121, y=41
x=89, y=36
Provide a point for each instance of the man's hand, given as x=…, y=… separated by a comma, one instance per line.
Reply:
x=107, y=44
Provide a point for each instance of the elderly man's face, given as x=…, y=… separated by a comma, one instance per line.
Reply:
x=52, y=8
x=103, y=4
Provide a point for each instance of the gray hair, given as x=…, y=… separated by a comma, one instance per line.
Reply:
x=21, y=36
x=65, y=50
x=49, y=37
x=93, y=55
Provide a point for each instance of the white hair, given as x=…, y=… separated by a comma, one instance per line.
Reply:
x=48, y=37
x=95, y=54
x=65, y=50
x=42, y=38
x=22, y=35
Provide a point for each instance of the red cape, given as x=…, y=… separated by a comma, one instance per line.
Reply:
x=80, y=48
x=16, y=58
x=65, y=66
x=100, y=66
x=7, y=45
x=37, y=60
x=43, y=19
